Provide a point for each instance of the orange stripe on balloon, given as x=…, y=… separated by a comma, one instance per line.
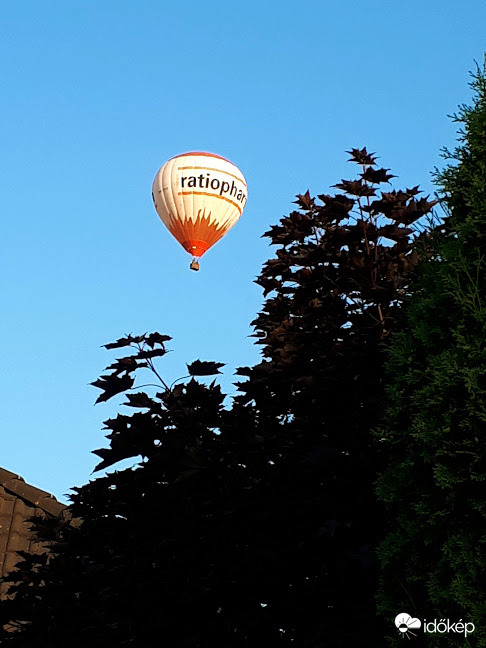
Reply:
x=205, y=193
x=183, y=168
x=200, y=234
x=205, y=153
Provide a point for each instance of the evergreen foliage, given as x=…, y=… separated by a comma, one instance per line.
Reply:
x=254, y=525
x=434, y=441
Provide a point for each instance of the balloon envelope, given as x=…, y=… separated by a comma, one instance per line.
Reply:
x=199, y=197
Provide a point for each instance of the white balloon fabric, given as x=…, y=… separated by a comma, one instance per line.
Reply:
x=199, y=197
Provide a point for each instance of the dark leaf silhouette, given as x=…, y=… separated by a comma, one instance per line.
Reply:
x=151, y=353
x=200, y=368
x=361, y=156
x=127, y=364
x=112, y=385
x=394, y=232
x=305, y=201
x=377, y=175
x=123, y=342
x=355, y=188
x=140, y=399
x=157, y=338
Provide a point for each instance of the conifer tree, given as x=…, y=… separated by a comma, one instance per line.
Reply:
x=434, y=441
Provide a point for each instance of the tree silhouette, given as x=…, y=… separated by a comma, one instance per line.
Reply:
x=257, y=524
x=433, y=559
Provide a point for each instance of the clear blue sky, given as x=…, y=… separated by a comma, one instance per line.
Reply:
x=97, y=95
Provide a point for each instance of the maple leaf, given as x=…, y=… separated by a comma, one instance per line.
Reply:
x=201, y=368
x=389, y=201
x=424, y=205
x=153, y=353
x=123, y=342
x=355, y=188
x=112, y=385
x=377, y=175
x=413, y=191
x=335, y=207
x=361, y=156
x=111, y=456
x=140, y=399
x=414, y=210
x=394, y=232
x=304, y=200
x=157, y=338
x=126, y=364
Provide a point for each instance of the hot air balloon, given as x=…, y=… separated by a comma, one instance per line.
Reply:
x=199, y=197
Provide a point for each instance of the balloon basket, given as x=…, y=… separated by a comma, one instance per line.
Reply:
x=195, y=264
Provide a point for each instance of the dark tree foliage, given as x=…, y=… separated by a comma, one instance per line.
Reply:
x=434, y=556
x=342, y=272
x=254, y=525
